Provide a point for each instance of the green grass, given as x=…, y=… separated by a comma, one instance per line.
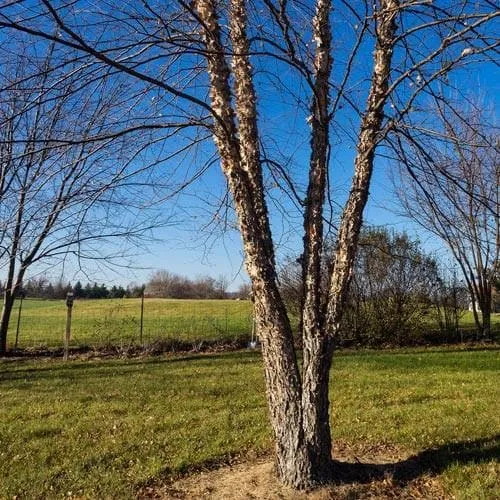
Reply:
x=103, y=428
x=99, y=323
x=467, y=320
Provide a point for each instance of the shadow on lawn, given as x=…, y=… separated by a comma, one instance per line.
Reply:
x=17, y=369
x=432, y=461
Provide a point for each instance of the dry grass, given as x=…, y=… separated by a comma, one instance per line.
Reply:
x=373, y=472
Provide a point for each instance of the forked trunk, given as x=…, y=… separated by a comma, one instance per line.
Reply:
x=240, y=161
x=298, y=407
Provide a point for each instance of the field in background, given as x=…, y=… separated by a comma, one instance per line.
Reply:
x=104, y=428
x=116, y=322
x=98, y=323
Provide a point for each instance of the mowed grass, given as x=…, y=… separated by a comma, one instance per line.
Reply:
x=98, y=323
x=467, y=320
x=103, y=428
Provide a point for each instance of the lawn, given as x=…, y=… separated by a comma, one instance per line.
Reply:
x=104, y=428
x=98, y=323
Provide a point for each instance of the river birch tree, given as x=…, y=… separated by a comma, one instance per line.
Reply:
x=378, y=60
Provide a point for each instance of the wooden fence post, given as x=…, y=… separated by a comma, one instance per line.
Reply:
x=142, y=316
x=21, y=295
x=67, y=336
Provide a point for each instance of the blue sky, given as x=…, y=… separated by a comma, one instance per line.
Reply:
x=186, y=247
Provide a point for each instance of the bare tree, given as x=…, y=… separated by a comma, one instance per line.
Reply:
x=62, y=192
x=453, y=191
x=201, y=58
x=392, y=290
x=169, y=285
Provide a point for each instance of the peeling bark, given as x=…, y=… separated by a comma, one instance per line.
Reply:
x=240, y=163
x=371, y=124
x=298, y=411
x=316, y=362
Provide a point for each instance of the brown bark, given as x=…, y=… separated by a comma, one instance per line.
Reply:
x=8, y=303
x=485, y=306
x=316, y=360
x=9, y=296
x=11, y=284
x=318, y=331
x=368, y=138
x=241, y=166
x=299, y=414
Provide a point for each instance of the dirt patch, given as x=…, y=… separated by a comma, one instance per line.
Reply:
x=360, y=472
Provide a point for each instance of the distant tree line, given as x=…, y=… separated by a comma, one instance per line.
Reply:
x=96, y=291
x=43, y=288
x=165, y=284
x=162, y=284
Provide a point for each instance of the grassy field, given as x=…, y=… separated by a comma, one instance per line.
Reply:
x=103, y=428
x=98, y=323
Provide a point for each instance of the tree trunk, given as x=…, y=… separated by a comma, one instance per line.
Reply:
x=240, y=161
x=317, y=358
x=298, y=411
x=486, y=312
x=487, y=323
x=293, y=466
x=369, y=135
x=8, y=304
x=316, y=352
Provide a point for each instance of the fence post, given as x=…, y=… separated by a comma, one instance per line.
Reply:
x=227, y=325
x=253, y=341
x=142, y=316
x=21, y=295
x=67, y=336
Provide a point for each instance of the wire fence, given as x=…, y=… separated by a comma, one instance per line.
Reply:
x=169, y=324
x=38, y=324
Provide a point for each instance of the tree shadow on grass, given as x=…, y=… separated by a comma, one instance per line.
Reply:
x=432, y=462
x=20, y=369
x=380, y=475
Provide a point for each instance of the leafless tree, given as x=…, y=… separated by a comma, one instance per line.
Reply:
x=392, y=290
x=169, y=285
x=63, y=193
x=452, y=190
x=201, y=59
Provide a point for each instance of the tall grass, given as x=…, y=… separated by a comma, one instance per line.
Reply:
x=98, y=323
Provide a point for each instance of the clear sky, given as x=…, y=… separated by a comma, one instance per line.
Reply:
x=188, y=248
x=187, y=245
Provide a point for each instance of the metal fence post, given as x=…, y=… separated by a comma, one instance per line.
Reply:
x=227, y=326
x=142, y=316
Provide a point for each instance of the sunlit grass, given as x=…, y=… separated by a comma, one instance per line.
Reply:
x=103, y=428
x=98, y=323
